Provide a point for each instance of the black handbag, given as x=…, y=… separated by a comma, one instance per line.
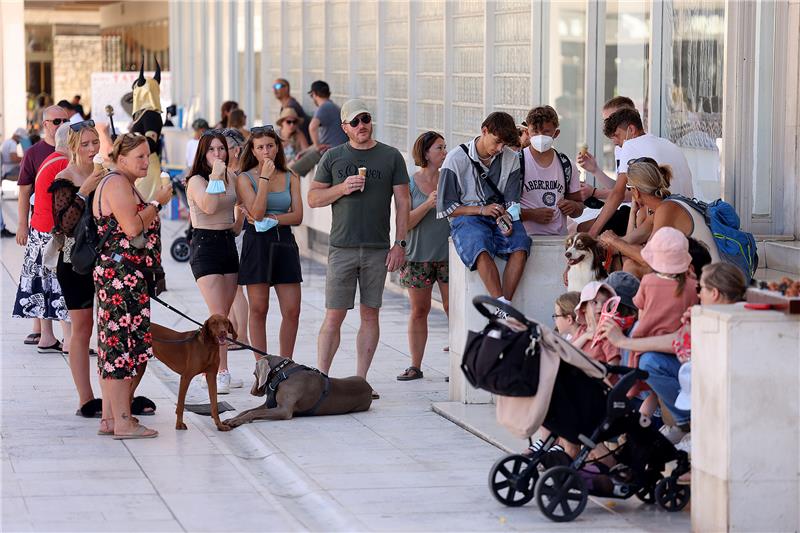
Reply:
x=499, y=359
x=87, y=244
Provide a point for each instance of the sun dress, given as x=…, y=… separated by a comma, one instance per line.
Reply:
x=123, y=315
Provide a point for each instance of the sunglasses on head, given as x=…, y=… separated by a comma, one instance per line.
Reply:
x=262, y=129
x=80, y=125
x=364, y=118
x=215, y=131
x=57, y=121
x=643, y=160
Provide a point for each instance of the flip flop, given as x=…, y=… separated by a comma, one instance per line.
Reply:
x=55, y=348
x=91, y=409
x=33, y=338
x=140, y=404
x=141, y=432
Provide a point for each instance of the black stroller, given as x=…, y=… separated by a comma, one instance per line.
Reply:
x=578, y=405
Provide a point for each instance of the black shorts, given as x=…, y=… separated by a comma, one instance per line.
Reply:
x=77, y=289
x=213, y=252
x=618, y=223
x=269, y=257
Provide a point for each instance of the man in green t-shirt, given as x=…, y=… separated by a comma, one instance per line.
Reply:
x=358, y=180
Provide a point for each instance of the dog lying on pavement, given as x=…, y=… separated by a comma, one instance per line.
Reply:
x=297, y=390
x=190, y=353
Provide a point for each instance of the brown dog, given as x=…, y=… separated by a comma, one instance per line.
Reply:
x=305, y=392
x=190, y=353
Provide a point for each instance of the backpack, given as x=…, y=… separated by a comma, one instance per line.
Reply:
x=734, y=245
x=87, y=244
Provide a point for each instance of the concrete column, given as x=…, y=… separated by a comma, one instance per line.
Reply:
x=12, y=66
x=745, y=413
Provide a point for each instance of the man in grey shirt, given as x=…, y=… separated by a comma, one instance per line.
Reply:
x=326, y=127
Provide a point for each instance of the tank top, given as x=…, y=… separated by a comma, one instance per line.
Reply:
x=427, y=241
x=278, y=203
x=700, y=230
x=223, y=218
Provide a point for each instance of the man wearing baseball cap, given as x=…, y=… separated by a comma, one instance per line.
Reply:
x=358, y=180
x=324, y=129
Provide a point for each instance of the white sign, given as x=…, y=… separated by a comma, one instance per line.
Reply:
x=109, y=88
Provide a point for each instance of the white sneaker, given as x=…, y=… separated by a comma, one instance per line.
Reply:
x=224, y=383
x=685, y=444
x=674, y=434
x=198, y=390
x=236, y=383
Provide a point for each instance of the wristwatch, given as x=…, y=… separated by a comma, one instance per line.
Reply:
x=402, y=243
x=156, y=204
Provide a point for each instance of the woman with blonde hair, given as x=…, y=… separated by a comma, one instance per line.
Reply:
x=294, y=142
x=71, y=190
x=649, y=183
x=130, y=254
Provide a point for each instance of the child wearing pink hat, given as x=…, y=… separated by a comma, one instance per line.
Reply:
x=587, y=313
x=665, y=293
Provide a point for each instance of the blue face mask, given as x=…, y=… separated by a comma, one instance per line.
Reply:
x=265, y=224
x=514, y=211
x=215, y=187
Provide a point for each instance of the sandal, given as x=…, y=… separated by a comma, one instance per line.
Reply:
x=91, y=409
x=55, y=348
x=144, y=406
x=141, y=432
x=33, y=338
x=109, y=432
x=410, y=373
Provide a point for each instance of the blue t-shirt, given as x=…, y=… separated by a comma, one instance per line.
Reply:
x=330, y=124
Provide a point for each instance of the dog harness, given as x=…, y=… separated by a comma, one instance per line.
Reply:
x=278, y=375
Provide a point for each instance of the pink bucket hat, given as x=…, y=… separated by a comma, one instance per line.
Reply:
x=667, y=251
x=590, y=291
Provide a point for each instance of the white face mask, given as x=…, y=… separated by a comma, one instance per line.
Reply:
x=541, y=143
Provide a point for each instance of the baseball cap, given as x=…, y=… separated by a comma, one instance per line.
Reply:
x=626, y=285
x=200, y=124
x=20, y=132
x=352, y=108
x=667, y=251
x=684, y=399
x=320, y=87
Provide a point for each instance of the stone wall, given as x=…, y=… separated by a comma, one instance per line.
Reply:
x=74, y=60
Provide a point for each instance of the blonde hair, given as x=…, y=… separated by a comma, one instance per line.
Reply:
x=650, y=178
x=74, y=141
x=567, y=302
x=727, y=279
x=125, y=144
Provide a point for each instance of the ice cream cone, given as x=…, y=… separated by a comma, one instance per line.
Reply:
x=165, y=178
x=362, y=171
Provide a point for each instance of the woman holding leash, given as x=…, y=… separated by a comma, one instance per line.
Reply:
x=123, y=316
x=211, y=195
x=70, y=190
x=270, y=257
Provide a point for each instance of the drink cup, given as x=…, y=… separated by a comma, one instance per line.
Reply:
x=362, y=171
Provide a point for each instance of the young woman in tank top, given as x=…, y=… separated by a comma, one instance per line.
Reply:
x=270, y=257
x=211, y=195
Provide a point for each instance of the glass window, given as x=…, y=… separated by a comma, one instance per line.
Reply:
x=627, y=60
x=567, y=66
x=467, y=81
x=693, y=86
x=395, y=75
x=258, y=38
x=512, y=58
x=429, y=50
x=366, y=57
x=338, y=34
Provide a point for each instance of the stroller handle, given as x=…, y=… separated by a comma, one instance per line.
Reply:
x=480, y=303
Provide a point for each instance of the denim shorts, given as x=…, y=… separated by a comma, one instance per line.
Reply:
x=475, y=234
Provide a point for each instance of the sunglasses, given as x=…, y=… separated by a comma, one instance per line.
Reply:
x=363, y=119
x=262, y=129
x=290, y=122
x=212, y=132
x=57, y=121
x=278, y=86
x=80, y=125
x=643, y=160
x=554, y=316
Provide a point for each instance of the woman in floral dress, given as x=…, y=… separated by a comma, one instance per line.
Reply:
x=123, y=317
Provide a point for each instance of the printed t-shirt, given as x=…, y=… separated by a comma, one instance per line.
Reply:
x=545, y=187
x=362, y=218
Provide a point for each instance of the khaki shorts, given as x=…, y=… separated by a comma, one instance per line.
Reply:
x=306, y=164
x=346, y=266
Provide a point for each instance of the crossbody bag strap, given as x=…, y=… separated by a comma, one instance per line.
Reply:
x=112, y=222
x=482, y=175
x=54, y=160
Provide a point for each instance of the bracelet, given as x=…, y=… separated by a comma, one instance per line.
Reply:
x=82, y=197
x=480, y=212
x=263, y=178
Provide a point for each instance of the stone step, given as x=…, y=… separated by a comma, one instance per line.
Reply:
x=782, y=255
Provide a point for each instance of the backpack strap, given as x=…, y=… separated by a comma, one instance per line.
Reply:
x=482, y=175
x=566, y=167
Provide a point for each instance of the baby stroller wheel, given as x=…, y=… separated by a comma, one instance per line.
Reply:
x=670, y=495
x=561, y=494
x=180, y=250
x=512, y=479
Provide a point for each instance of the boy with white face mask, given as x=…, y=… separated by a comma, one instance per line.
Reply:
x=550, y=181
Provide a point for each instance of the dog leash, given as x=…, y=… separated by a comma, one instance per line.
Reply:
x=190, y=319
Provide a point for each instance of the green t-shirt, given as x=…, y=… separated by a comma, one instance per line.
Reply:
x=362, y=218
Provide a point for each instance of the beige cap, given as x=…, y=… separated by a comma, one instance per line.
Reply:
x=288, y=112
x=352, y=108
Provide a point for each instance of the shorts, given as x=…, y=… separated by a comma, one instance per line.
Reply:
x=350, y=266
x=77, y=289
x=421, y=275
x=269, y=257
x=473, y=235
x=213, y=252
x=618, y=223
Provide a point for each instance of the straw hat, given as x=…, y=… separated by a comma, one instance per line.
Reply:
x=286, y=113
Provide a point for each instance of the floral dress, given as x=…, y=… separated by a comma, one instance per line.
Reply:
x=123, y=315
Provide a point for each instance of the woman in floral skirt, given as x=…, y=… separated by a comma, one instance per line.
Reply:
x=123, y=317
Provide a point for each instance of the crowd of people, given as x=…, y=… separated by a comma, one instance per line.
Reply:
x=490, y=195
